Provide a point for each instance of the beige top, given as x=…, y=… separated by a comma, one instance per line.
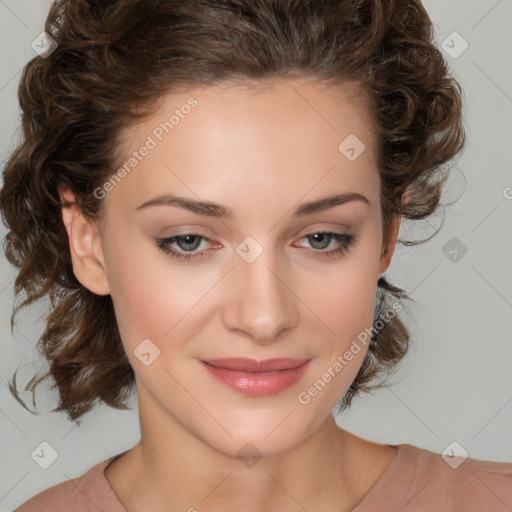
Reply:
x=417, y=480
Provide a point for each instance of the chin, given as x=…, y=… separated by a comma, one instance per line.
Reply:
x=267, y=435
x=249, y=445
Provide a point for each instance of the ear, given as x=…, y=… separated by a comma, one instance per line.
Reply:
x=84, y=245
x=390, y=245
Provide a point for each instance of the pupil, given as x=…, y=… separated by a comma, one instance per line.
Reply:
x=187, y=239
x=321, y=235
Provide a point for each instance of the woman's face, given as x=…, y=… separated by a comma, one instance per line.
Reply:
x=260, y=281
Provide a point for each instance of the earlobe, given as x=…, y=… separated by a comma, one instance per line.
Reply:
x=84, y=245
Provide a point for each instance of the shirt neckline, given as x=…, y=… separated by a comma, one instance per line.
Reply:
x=379, y=485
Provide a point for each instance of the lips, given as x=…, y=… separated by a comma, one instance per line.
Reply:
x=243, y=364
x=256, y=378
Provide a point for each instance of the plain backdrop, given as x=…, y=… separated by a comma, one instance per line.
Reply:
x=455, y=384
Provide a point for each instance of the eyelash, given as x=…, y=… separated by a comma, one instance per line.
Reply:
x=345, y=239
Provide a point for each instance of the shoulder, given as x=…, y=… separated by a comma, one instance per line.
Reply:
x=456, y=483
x=89, y=492
x=57, y=497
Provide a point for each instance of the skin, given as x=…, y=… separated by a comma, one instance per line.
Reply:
x=261, y=152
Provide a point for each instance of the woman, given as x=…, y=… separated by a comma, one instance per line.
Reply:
x=231, y=177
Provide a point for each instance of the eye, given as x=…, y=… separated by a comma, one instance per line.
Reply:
x=189, y=243
x=322, y=239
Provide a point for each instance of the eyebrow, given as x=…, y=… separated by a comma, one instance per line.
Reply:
x=218, y=211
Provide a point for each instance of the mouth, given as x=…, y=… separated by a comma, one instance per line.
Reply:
x=257, y=378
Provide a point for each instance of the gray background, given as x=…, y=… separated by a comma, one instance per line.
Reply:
x=454, y=385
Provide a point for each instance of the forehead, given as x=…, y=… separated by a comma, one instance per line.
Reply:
x=301, y=105
x=279, y=137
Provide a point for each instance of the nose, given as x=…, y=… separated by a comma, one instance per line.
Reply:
x=261, y=301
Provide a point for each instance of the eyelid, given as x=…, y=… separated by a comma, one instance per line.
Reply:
x=199, y=231
x=345, y=241
x=329, y=227
x=332, y=225
x=189, y=229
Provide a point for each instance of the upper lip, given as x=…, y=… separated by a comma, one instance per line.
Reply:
x=244, y=364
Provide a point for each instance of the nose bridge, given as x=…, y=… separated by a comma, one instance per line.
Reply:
x=262, y=305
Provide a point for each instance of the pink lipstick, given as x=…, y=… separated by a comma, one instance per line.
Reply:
x=257, y=378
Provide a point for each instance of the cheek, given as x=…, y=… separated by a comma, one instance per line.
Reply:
x=153, y=297
x=344, y=297
x=152, y=294
x=140, y=295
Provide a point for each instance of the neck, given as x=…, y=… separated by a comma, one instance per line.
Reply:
x=171, y=469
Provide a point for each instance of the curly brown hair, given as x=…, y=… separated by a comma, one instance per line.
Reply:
x=113, y=61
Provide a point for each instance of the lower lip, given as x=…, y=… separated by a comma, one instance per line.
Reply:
x=258, y=384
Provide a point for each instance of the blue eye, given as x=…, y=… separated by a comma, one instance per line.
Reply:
x=189, y=242
x=344, y=240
